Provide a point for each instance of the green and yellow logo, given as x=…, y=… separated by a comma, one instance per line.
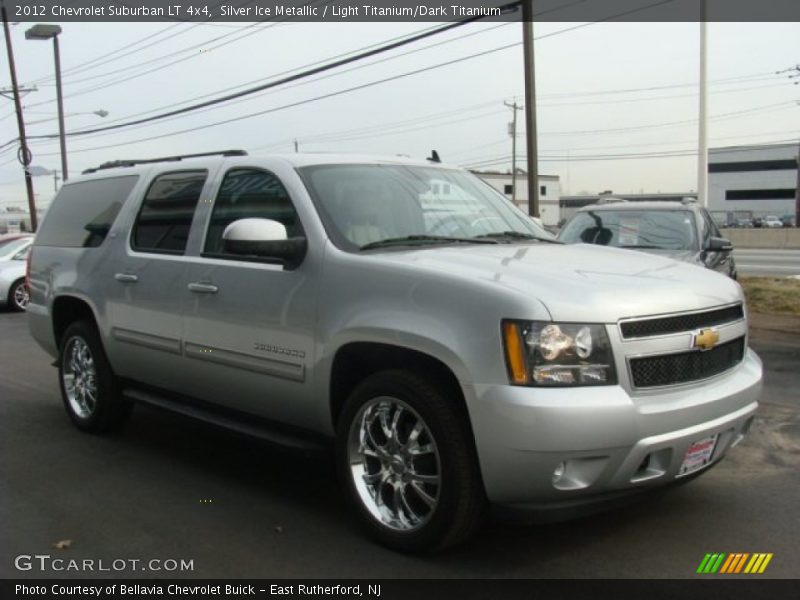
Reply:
x=737, y=562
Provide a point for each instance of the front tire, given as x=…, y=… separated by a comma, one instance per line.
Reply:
x=18, y=296
x=407, y=462
x=89, y=388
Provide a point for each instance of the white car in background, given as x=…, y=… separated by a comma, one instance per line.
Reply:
x=13, y=254
x=772, y=221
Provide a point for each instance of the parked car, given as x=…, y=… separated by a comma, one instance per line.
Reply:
x=302, y=299
x=789, y=221
x=744, y=223
x=772, y=221
x=13, y=251
x=680, y=230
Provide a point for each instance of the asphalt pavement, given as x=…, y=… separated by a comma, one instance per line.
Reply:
x=767, y=262
x=167, y=488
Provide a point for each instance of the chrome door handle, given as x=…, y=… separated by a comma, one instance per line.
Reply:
x=126, y=277
x=203, y=288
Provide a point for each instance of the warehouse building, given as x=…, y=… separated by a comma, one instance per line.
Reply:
x=753, y=181
x=549, y=191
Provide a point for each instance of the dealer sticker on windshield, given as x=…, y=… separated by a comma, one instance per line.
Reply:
x=698, y=455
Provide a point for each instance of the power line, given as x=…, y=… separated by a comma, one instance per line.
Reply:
x=323, y=77
x=604, y=157
x=292, y=104
x=341, y=62
x=106, y=58
x=149, y=71
x=278, y=82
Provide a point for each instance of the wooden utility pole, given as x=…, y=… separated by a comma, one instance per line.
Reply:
x=24, y=153
x=530, y=109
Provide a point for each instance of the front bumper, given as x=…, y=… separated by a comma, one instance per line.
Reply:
x=611, y=442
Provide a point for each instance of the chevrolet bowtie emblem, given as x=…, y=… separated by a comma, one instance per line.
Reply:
x=705, y=339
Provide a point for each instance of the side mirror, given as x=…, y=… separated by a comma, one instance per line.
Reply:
x=718, y=244
x=263, y=238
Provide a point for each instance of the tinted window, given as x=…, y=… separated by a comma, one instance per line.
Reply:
x=667, y=229
x=166, y=215
x=9, y=247
x=250, y=193
x=82, y=213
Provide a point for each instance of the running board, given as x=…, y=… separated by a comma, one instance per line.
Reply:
x=264, y=432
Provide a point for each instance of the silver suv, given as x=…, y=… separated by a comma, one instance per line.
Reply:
x=452, y=351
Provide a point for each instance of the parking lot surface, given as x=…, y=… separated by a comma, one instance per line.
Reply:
x=169, y=488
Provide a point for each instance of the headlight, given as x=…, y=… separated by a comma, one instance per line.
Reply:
x=557, y=354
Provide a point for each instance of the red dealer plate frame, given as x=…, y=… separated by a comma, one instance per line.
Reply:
x=698, y=455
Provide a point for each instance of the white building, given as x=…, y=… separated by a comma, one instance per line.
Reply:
x=752, y=181
x=549, y=192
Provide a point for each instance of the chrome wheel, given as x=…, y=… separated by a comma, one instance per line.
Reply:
x=394, y=464
x=79, y=377
x=21, y=296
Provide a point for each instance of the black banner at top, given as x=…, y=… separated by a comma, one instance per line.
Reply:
x=398, y=10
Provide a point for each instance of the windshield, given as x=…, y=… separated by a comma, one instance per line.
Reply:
x=658, y=229
x=10, y=247
x=368, y=206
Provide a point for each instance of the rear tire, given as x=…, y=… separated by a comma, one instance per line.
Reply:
x=407, y=462
x=18, y=296
x=89, y=388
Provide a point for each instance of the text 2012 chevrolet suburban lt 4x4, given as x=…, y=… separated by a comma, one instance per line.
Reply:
x=457, y=356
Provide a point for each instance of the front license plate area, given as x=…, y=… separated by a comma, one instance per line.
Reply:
x=698, y=455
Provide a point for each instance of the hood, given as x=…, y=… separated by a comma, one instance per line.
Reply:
x=689, y=256
x=580, y=282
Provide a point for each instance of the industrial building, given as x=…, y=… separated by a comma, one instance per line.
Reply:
x=753, y=181
x=549, y=191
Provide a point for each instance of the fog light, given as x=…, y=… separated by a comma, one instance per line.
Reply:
x=559, y=472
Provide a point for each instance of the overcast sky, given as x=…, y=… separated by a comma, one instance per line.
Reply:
x=604, y=90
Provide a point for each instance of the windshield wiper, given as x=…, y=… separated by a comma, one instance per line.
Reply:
x=645, y=246
x=517, y=235
x=424, y=239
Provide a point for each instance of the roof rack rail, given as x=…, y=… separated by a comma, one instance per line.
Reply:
x=133, y=162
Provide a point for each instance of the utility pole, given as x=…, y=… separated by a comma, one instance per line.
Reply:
x=24, y=153
x=702, y=149
x=55, y=180
x=530, y=109
x=296, y=147
x=513, y=132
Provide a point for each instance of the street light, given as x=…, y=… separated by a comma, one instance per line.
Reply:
x=99, y=113
x=46, y=32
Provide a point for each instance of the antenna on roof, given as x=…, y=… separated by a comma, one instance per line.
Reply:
x=434, y=157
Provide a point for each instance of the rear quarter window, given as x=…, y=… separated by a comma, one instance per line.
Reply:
x=82, y=213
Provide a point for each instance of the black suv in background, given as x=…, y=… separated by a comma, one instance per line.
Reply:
x=680, y=230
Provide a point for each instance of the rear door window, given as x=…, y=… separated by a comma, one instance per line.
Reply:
x=82, y=213
x=165, y=218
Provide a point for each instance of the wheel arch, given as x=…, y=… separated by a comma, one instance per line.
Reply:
x=356, y=360
x=67, y=309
